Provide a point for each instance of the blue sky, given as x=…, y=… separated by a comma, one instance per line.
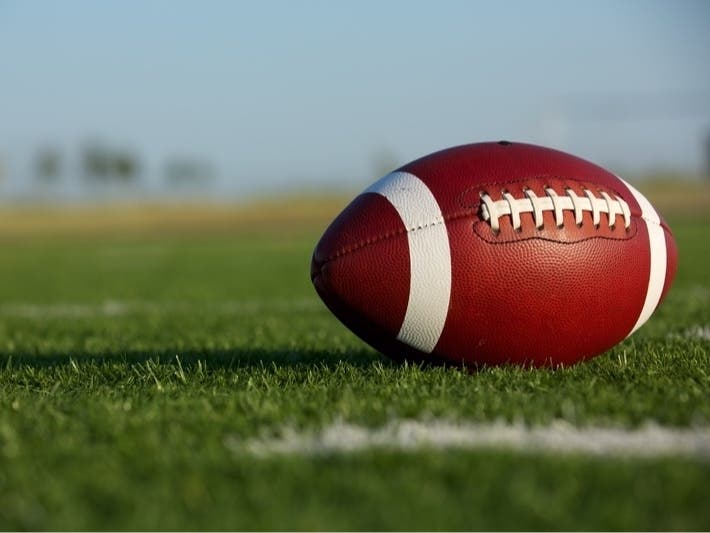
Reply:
x=281, y=94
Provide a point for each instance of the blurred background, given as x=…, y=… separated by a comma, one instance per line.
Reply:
x=166, y=169
x=157, y=101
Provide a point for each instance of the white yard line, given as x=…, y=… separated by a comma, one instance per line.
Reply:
x=411, y=435
x=112, y=308
x=697, y=332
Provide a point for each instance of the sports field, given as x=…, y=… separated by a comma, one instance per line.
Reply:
x=172, y=368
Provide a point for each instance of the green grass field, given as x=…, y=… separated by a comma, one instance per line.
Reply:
x=136, y=368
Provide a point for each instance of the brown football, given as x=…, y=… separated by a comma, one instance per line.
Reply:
x=496, y=253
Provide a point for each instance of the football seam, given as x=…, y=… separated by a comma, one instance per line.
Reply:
x=661, y=224
x=469, y=209
x=364, y=243
x=478, y=234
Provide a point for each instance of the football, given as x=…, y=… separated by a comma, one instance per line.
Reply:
x=496, y=253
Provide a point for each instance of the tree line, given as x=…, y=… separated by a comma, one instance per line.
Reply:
x=100, y=163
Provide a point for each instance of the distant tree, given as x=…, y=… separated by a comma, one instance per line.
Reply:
x=707, y=155
x=48, y=164
x=104, y=164
x=125, y=166
x=95, y=162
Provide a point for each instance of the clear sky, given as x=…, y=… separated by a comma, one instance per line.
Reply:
x=280, y=94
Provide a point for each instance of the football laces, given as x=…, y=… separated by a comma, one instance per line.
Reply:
x=493, y=210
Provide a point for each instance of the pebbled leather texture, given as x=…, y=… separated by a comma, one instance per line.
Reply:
x=531, y=296
x=360, y=268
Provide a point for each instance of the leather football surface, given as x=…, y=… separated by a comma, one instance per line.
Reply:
x=496, y=253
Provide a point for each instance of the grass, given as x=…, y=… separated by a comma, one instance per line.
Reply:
x=130, y=362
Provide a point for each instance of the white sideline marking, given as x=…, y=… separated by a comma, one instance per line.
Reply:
x=649, y=440
x=429, y=258
x=697, y=332
x=111, y=308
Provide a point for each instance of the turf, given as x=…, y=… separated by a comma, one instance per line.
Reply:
x=130, y=365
